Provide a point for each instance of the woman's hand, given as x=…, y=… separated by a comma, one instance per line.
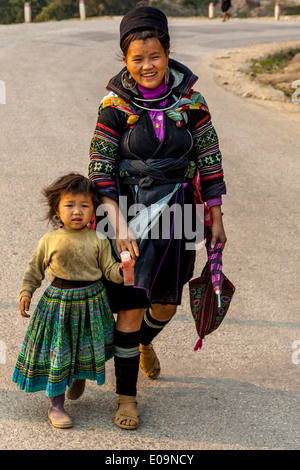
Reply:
x=126, y=241
x=125, y=238
x=24, y=305
x=218, y=231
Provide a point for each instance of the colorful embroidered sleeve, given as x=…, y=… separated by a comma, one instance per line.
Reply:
x=208, y=157
x=104, y=151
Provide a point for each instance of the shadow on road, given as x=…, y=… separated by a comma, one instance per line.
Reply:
x=177, y=409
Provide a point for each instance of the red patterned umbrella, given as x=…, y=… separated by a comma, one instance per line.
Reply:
x=215, y=264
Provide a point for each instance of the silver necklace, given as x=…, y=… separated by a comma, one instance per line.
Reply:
x=157, y=109
x=160, y=98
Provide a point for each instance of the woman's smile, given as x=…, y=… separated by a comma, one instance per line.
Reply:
x=148, y=77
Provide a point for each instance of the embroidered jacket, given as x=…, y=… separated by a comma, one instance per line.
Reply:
x=118, y=112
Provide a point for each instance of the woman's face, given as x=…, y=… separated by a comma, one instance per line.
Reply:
x=147, y=62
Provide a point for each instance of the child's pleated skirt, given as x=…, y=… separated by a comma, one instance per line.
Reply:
x=70, y=335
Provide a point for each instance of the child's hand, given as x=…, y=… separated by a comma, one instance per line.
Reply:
x=24, y=305
x=121, y=266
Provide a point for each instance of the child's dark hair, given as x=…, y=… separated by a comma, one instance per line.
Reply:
x=73, y=183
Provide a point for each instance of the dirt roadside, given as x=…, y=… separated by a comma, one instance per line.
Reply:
x=231, y=67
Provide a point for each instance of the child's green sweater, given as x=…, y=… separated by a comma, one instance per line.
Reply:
x=77, y=255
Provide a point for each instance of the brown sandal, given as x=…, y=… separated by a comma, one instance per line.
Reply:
x=149, y=362
x=124, y=415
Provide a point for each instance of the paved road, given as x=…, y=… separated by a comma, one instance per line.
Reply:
x=242, y=390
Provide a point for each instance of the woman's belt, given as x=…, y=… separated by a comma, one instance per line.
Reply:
x=143, y=183
x=67, y=284
x=155, y=171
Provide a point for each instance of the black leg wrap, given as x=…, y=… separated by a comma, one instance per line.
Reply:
x=150, y=328
x=127, y=357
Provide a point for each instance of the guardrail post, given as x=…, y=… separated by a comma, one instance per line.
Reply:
x=82, y=9
x=27, y=12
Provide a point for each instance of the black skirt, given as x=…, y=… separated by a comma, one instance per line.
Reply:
x=226, y=4
x=164, y=265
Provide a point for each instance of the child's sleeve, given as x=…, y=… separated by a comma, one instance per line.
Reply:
x=35, y=271
x=107, y=263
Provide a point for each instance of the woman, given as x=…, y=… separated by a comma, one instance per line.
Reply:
x=153, y=133
x=225, y=6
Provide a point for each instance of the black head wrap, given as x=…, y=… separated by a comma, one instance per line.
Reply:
x=143, y=18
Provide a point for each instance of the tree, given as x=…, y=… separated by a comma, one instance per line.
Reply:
x=115, y=7
x=58, y=10
x=200, y=6
x=12, y=11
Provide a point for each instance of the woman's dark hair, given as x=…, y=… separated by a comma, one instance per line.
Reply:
x=73, y=183
x=143, y=35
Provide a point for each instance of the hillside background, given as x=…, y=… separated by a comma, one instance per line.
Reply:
x=12, y=11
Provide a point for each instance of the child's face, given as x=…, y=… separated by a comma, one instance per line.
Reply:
x=75, y=210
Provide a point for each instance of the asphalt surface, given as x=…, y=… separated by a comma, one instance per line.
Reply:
x=241, y=391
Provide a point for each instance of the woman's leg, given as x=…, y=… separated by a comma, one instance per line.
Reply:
x=128, y=333
x=162, y=312
x=154, y=320
x=126, y=349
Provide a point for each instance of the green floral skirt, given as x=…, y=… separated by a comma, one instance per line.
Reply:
x=70, y=335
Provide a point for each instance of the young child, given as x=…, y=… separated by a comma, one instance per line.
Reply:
x=70, y=335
